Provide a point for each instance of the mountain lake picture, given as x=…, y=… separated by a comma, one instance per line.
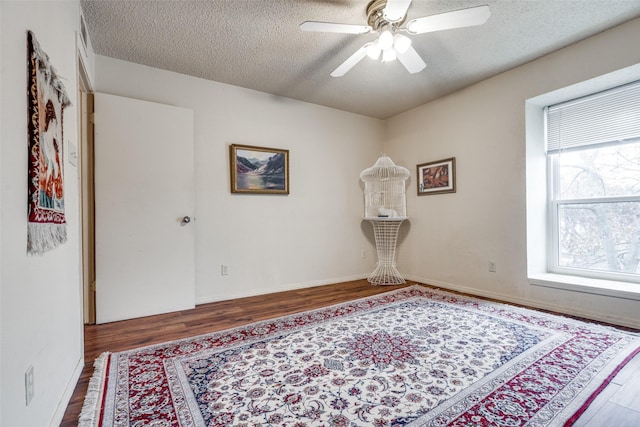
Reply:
x=259, y=170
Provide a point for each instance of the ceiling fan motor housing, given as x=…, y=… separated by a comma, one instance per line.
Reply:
x=376, y=19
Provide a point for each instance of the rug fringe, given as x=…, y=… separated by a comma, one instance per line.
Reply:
x=90, y=414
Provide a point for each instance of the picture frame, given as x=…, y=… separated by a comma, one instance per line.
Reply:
x=437, y=177
x=258, y=170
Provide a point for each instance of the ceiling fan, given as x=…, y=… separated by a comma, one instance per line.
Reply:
x=388, y=17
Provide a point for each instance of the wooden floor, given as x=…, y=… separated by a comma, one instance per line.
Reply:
x=618, y=405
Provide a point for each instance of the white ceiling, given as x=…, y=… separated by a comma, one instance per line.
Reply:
x=257, y=44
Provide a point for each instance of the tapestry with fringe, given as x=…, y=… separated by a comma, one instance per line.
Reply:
x=47, y=99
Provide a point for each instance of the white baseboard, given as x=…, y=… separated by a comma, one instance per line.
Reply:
x=560, y=309
x=56, y=420
x=283, y=288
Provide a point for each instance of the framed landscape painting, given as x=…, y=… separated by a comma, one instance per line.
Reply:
x=259, y=170
x=437, y=177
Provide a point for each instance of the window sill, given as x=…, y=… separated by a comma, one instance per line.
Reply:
x=609, y=288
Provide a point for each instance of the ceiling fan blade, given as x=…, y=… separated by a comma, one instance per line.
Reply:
x=395, y=10
x=444, y=21
x=411, y=61
x=351, y=61
x=332, y=27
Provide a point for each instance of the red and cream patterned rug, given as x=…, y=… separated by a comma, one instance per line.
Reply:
x=413, y=356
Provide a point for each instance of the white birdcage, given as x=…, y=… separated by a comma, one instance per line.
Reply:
x=385, y=207
x=384, y=189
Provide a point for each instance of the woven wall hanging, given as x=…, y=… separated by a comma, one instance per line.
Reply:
x=47, y=99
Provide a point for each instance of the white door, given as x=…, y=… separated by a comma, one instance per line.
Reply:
x=144, y=187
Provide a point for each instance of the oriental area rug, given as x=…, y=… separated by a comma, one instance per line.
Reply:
x=409, y=357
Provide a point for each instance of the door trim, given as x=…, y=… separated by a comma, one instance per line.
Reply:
x=87, y=194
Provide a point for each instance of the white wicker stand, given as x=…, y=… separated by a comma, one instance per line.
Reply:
x=386, y=234
x=385, y=207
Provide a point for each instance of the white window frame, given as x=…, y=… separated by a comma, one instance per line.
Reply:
x=540, y=244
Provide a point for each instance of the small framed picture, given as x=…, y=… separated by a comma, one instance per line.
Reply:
x=259, y=170
x=437, y=177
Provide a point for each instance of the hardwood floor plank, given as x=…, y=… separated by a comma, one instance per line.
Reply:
x=629, y=393
x=632, y=369
x=612, y=415
x=596, y=407
x=206, y=318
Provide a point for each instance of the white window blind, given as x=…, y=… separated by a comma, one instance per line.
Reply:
x=610, y=116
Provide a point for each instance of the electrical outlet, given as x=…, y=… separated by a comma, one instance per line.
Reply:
x=363, y=254
x=224, y=270
x=29, y=386
x=492, y=266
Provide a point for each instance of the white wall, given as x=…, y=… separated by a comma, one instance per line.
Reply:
x=452, y=237
x=312, y=236
x=40, y=319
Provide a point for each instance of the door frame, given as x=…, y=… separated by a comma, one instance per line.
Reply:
x=87, y=192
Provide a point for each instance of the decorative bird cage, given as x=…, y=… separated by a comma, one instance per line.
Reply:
x=385, y=207
x=384, y=190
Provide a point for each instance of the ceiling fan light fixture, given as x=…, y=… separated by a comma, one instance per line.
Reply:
x=386, y=40
x=401, y=43
x=389, y=55
x=374, y=51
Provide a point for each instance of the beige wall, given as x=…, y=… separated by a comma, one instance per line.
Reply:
x=312, y=236
x=452, y=237
x=41, y=319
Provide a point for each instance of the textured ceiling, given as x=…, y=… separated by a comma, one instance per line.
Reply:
x=257, y=44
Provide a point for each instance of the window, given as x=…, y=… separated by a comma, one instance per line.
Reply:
x=593, y=155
